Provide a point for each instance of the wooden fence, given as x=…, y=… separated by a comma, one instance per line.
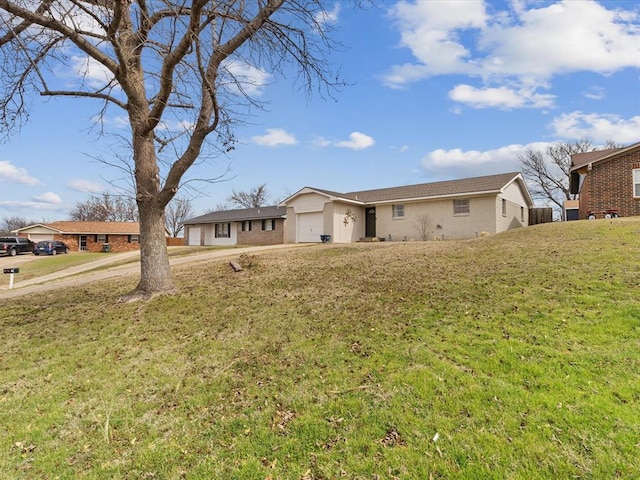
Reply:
x=540, y=215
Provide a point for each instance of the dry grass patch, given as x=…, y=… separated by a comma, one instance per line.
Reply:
x=509, y=356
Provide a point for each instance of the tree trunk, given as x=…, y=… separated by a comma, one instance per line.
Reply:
x=155, y=273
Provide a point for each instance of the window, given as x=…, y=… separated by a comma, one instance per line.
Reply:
x=223, y=230
x=636, y=182
x=269, y=224
x=397, y=211
x=102, y=238
x=504, y=207
x=461, y=207
x=246, y=226
x=522, y=214
x=134, y=238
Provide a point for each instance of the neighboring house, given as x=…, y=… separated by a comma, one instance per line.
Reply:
x=455, y=209
x=86, y=236
x=247, y=226
x=607, y=182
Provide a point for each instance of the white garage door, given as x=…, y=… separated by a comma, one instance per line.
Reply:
x=310, y=227
x=194, y=236
x=40, y=237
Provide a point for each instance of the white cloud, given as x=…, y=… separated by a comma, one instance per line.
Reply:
x=327, y=17
x=458, y=163
x=357, y=141
x=246, y=78
x=45, y=201
x=48, y=198
x=595, y=93
x=94, y=74
x=11, y=173
x=500, y=97
x=598, y=127
x=84, y=186
x=520, y=46
x=274, y=137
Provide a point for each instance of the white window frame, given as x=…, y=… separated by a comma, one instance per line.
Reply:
x=246, y=225
x=461, y=206
x=397, y=211
x=636, y=182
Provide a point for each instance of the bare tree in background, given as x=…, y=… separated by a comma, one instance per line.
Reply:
x=423, y=225
x=13, y=223
x=105, y=208
x=547, y=173
x=256, y=197
x=178, y=210
x=180, y=72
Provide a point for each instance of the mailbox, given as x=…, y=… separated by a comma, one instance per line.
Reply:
x=11, y=270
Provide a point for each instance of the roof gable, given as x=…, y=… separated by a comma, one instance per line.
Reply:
x=580, y=160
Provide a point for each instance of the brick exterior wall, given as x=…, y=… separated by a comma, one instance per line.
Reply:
x=118, y=243
x=609, y=185
x=257, y=236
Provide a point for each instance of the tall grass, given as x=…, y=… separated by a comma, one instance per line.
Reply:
x=512, y=356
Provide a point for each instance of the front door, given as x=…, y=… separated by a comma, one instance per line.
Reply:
x=83, y=242
x=370, y=222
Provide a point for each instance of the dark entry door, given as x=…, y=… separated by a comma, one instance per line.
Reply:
x=83, y=242
x=370, y=222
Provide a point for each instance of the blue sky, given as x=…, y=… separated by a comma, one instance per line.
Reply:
x=440, y=89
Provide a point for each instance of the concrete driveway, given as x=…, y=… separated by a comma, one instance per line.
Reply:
x=82, y=274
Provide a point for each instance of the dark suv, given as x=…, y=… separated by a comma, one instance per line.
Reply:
x=50, y=247
x=15, y=245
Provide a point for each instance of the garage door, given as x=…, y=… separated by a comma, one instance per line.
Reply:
x=40, y=237
x=310, y=227
x=194, y=236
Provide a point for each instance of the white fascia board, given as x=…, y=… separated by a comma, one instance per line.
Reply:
x=436, y=197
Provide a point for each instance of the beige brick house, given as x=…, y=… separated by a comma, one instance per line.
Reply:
x=454, y=209
x=607, y=182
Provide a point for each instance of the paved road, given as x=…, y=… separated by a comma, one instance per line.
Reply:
x=82, y=274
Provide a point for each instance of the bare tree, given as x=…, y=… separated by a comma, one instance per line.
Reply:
x=105, y=208
x=179, y=72
x=547, y=173
x=177, y=211
x=256, y=197
x=13, y=223
x=422, y=224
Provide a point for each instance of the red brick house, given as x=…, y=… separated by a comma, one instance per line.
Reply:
x=87, y=236
x=607, y=182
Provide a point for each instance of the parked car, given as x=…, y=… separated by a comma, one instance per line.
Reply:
x=52, y=247
x=14, y=245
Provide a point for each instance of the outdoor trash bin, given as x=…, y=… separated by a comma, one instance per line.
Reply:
x=106, y=248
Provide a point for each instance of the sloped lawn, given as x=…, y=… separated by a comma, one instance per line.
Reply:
x=514, y=356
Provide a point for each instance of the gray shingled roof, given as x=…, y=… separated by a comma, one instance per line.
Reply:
x=486, y=184
x=239, y=215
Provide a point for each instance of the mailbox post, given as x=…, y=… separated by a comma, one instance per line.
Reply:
x=11, y=272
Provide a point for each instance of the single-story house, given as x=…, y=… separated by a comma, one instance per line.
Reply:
x=607, y=182
x=247, y=226
x=454, y=209
x=86, y=236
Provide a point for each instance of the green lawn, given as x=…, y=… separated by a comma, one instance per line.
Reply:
x=514, y=356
